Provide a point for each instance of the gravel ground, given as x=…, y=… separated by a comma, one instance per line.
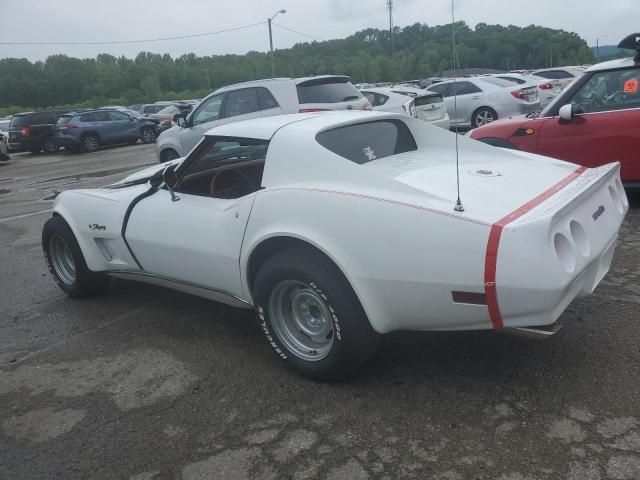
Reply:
x=146, y=383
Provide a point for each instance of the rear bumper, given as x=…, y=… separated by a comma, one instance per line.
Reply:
x=558, y=251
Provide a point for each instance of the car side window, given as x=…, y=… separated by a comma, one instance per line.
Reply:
x=463, y=88
x=118, y=116
x=209, y=110
x=608, y=91
x=101, y=117
x=241, y=102
x=266, y=99
x=223, y=167
x=441, y=88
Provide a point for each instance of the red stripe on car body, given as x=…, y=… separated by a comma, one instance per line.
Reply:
x=491, y=257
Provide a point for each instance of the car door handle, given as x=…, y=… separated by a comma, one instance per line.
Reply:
x=476, y=98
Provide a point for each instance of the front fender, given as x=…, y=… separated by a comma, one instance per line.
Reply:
x=95, y=218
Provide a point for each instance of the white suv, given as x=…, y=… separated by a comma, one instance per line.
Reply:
x=259, y=98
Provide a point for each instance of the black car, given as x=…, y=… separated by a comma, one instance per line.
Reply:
x=34, y=131
x=89, y=130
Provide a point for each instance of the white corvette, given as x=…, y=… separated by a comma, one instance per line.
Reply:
x=340, y=227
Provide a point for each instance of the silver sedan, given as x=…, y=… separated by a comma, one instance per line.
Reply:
x=482, y=100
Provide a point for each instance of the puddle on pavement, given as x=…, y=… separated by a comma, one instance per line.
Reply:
x=4, y=190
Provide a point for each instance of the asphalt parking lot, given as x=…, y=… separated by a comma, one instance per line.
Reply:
x=145, y=383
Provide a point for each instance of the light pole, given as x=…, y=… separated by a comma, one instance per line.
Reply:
x=598, y=45
x=273, y=64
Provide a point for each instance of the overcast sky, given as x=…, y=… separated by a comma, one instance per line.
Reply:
x=116, y=20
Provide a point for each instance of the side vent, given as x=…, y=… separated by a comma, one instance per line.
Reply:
x=101, y=243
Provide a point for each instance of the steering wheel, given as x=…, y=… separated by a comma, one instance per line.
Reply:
x=230, y=184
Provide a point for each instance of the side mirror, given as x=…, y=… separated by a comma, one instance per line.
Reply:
x=180, y=120
x=566, y=113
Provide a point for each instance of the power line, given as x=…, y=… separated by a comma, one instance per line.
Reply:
x=299, y=33
x=120, y=42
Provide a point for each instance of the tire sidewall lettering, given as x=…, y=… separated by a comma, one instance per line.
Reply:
x=271, y=338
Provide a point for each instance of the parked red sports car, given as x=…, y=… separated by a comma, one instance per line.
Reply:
x=595, y=121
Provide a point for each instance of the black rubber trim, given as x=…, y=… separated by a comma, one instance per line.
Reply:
x=127, y=214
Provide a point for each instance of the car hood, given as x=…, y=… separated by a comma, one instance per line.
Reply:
x=493, y=182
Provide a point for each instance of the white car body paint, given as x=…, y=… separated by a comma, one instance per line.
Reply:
x=388, y=225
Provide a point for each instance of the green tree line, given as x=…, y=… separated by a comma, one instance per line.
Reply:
x=419, y=51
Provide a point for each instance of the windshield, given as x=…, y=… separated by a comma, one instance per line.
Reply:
x=169, y=110
x=327, y=90
x=497, y=81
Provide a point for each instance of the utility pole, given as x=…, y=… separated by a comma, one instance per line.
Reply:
x=598, y=45
x=390, y=8
x=273, y=63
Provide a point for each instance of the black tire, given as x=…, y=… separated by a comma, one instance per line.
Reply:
x=49, y=145
x=168, y=155
x=481, y=115
x=148, y=135
x=35, y=150
x=85, y=282
x=354, y=340
x=90, y=143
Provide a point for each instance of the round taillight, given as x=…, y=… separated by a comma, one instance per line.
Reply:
x=564, y=251
x=580, y=238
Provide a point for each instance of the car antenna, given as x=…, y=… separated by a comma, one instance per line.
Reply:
x=459, y=207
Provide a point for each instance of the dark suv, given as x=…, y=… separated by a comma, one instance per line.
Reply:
x=89, y=130
x=34, y=131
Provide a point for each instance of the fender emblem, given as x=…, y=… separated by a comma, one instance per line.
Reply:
x=596, y=215
x=95, y=226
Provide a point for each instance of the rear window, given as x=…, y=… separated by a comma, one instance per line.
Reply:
x=368, y=141
x=518, y=81
x=169, y=109
x=498, y=81
x=19, y=121
x=428, y=100
x=327, y=90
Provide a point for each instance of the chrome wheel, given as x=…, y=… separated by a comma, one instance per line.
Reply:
x=62, y=260
x=483, y=117
x=90, y=143
x=302, y=320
